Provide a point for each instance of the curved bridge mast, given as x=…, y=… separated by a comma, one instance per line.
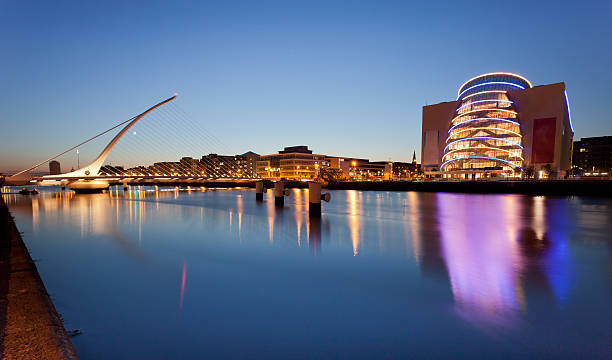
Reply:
x=93, y=168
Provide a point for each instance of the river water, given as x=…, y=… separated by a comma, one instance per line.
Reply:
x=174, y=273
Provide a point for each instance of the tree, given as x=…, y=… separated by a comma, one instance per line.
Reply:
x=547, y=170
x=327, y=174
x=529, y=172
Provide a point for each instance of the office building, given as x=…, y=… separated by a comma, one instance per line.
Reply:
x=293, y=163
x=229, y=165
x=189, y=166
x=361, y=169
x=593, y=156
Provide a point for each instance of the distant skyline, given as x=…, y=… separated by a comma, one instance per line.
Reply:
x=352, y=77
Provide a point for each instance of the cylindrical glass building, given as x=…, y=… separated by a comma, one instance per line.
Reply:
x=485, y=134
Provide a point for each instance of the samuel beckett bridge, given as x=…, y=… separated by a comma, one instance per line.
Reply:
x=96, y=176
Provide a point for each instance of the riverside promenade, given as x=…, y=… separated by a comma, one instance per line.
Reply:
x=30, y=327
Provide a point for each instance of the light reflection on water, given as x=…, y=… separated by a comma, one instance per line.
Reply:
x=379, y=271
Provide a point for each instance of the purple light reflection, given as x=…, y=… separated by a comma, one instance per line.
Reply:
x=478, y=237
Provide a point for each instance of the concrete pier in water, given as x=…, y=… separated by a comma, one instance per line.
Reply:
x=259, y=190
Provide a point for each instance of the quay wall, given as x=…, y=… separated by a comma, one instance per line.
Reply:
x=599, y=188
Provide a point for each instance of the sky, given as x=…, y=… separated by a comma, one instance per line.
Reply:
x=346, y=78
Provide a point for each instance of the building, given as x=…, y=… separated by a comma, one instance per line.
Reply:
x=54, y=168
x=229, y=165
x=217, y=165
x=112, y=170
x=166, y=168
x=372, y=170
x=404, y=170
x=593, y=156
x=139, y=171
x=299, y=163
x=293, y=162
x=250, y=159
x=189, y=166
x=361, y=169
x=268, y=167
x=499, y=126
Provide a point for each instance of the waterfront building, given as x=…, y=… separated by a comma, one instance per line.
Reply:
x=293, y=163
x=499, y=126
x=361, y=169
x=216, y=165
x=593, y=156
x=140, y=171
x=111, y=170
x=229, y=165
x=250, y=159
x=189, y=166
x=299, y=163
x=376, y=170
x=54, y=168
x=268, y=167
x=166, y=168
x=405, y=171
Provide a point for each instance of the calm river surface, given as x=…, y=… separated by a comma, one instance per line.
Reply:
x=190, y=274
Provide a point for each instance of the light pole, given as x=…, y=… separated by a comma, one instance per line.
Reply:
x=78, y=162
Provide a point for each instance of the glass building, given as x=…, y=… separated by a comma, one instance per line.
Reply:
x=485, y=132
x=499, y=126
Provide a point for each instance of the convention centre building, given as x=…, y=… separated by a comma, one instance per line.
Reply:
x=500, y=126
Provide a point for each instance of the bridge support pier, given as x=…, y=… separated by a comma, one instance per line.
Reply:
x=88, y=186
x=125, y=186
x=259, y=189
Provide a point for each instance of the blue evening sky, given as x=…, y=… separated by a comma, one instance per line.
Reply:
x=344, y=77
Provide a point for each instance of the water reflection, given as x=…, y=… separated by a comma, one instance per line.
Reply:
x=272, y=210
x=428, y=242
x=412, y=225
x=494, y=259
x=495, y=247
x=240, y=210
x=481, y=253
x=314, y=234
x=183, y=280
x=354, y=215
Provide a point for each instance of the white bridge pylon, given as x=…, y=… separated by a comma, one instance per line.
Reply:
x=76, y=179
x=93, y=168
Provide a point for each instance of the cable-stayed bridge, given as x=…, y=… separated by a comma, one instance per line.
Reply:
x=97, y=175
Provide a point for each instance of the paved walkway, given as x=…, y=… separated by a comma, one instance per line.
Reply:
x=30, y=327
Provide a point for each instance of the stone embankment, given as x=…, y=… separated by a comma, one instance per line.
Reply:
x=599, y=188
